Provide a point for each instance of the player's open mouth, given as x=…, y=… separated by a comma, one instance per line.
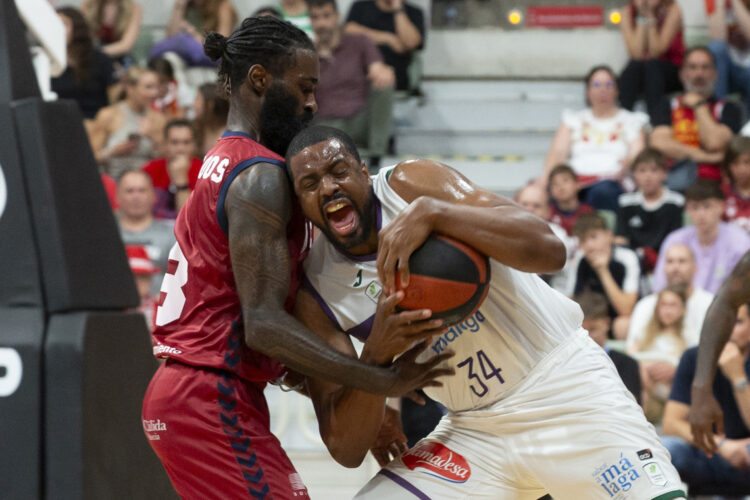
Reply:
x=342, y=217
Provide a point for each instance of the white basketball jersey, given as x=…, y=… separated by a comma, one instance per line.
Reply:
x=521, y=320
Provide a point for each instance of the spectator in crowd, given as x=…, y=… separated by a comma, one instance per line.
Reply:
x=599, y=142
x=646, y=216
x=355, y=89
x=136, y=198
x=736, y=169
x=143, y=272
x=534, y=199
x=174, y=175
x=652, y=30
x=89, y=73
x=717, y=246
x=565, y=206
x=188, y=24
x=210, y=111
x=659, y=347
x=127, y=134
x=295, y=11
x=396, y=27
x=729, y=466
x=693, y=128
x=605, y=268
x=597, y=322
x=679, y=269
x=115, y=25
x=729, y=29
x=166, y=102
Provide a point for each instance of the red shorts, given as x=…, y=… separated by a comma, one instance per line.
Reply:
x=211, y=432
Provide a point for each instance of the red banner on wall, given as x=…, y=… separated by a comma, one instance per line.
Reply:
x=564, y=16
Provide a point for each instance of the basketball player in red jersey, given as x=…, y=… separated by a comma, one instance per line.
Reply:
x=222, y=322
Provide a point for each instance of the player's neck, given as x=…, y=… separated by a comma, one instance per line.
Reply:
x=239, y=121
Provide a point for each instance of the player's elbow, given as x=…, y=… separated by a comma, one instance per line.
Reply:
x=546, y=255
x=344, y=451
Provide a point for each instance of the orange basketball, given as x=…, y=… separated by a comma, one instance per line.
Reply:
x=448, y=277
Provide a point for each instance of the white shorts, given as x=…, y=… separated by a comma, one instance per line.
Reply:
x=570, y=429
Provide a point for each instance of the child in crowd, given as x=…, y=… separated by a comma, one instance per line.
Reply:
x=645, y=217
x=563, y=191
x=736, y=170
x=167, y=100
x=597, y=321
x=605, y=268
x=143, y=272
x=659, y=348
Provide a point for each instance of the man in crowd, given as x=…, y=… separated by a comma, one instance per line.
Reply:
x=138, y=226
x=173, y=176
x=396, y=27
x=717, y=246
x=693, y=128
x=708, y=423
x=355, y=91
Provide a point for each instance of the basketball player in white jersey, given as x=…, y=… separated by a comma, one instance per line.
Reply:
x=535, y=406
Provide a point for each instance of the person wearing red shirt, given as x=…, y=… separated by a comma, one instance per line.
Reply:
x=175, y=174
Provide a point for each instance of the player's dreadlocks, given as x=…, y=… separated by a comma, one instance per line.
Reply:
x=262, y=40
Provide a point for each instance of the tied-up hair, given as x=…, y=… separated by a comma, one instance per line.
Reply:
x=262, y=40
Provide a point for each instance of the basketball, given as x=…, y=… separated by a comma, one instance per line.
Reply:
x=448, y=277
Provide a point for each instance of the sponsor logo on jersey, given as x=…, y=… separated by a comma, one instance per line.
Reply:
x=165, y=349
x=471, y=324
x=655, y=474
x=436, y=459
x=373, y=291
x=645, y=454
x=616, y=479
x=152, y=427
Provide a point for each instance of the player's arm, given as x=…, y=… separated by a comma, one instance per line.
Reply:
x=350, y=419
x=258, y=210
x=717, y=327
x=442, y=200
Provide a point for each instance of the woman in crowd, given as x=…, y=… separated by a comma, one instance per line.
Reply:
x=189, y=21
x=659, y=347
x=168, y=90
x=210, y=111
x=652, y=30
x=599, y=142
x=127, y=134
x=115, y=24
x=89, y=73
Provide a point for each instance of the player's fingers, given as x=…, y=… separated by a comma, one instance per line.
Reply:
x=440, y=358
x=401, y=444
x=387, y=303
x=426, y=331
x=417, y=315
x=381, y=456
x=403, y=269
x=394, y=449
x=441, y=372
x=386, y=272
x=410, y=355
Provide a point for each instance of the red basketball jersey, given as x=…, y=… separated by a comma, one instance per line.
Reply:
x=198, y=321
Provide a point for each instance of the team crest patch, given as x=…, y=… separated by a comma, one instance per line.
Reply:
x=373, y=291
x=655, y=474
x=436, y=459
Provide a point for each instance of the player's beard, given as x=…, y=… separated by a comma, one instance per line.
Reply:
x=367, y=217
x=279, y=121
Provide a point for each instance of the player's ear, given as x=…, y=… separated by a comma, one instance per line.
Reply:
x=259, y=78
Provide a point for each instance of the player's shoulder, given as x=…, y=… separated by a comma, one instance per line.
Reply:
x=420, y=174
